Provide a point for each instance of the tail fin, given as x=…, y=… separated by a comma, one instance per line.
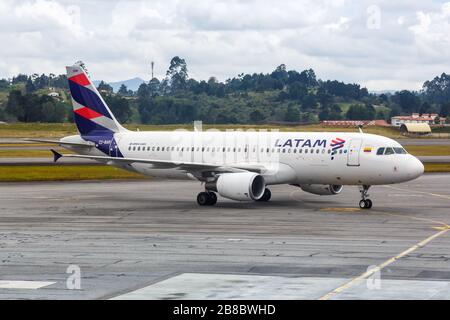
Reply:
x=92, y=115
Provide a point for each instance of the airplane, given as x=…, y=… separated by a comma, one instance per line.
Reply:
x=236, y=165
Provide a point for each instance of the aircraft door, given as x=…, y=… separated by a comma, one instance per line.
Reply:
x=353, y=152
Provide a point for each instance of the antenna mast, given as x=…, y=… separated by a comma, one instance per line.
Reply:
x=153, y=66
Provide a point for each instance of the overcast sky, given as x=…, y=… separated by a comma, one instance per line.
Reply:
x=380, y=44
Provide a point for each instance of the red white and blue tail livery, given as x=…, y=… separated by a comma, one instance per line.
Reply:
x=92, y=115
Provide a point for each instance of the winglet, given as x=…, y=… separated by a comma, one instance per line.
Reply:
x=56, y=155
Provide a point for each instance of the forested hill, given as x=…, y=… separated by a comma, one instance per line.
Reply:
x=280, y=96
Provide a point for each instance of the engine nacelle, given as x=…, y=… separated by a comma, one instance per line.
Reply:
x=240, y=186
x=322, y=189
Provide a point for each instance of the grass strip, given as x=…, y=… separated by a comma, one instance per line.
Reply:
x=63, y=173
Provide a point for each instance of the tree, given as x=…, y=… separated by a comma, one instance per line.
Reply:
x=177, y=74
x=4, y=83
x=123, y=90
x=256, y=116
x=407, y=100
x=297, y=91
x=280, y=73
x=438, y=89
x=15, y=104
x=361, y=112
x=292, y=114
x=120, y=107
x=103, y=86
x=445, y=109
x=29, y=86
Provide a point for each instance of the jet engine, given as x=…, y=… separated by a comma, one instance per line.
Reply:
x=322, y=189
x=240, y=186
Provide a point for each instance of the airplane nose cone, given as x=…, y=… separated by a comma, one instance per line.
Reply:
x=415, y=168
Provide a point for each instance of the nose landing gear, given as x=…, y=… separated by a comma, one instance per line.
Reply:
x=365, y=203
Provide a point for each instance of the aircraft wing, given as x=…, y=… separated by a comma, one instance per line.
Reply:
x=62, y=143
x=188, y=166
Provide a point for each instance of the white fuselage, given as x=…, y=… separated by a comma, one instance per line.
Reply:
x=285, y=157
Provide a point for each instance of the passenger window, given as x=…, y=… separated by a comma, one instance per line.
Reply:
x=380, y=151
x=317, y=151
x=389, y=151
x=306, y=150
x=129, y=148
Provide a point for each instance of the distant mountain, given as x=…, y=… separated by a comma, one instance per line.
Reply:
x=132, y=84
x=384, y=91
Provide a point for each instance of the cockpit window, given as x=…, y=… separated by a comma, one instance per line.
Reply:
x=400, y=150
x=389, y=151
x=380, y=151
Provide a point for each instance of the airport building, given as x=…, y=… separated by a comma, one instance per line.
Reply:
x=428, y=118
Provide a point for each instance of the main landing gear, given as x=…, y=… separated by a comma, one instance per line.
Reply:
x=365, y=203
x=207, y=198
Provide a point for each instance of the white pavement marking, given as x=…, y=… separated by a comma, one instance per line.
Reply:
x=11, y=284
x=381, y=266
x=234, y=286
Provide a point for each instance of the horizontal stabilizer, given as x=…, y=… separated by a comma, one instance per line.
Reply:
x=56, y=155
x=62, y=143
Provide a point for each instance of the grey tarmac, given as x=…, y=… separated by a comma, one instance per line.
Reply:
x=150, y=240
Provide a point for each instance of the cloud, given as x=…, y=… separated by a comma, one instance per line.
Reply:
x=401, y=47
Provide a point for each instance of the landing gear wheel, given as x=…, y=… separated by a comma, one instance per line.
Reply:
x=203, y=198
x=266, y=196
x=363, y=204
x=212, y=198
x=206, y=198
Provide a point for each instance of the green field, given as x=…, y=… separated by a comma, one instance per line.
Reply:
x=29, y=153
x=428, y=150
x=63, y=173
x=437, y=167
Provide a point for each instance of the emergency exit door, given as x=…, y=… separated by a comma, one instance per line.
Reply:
x=353, y=152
